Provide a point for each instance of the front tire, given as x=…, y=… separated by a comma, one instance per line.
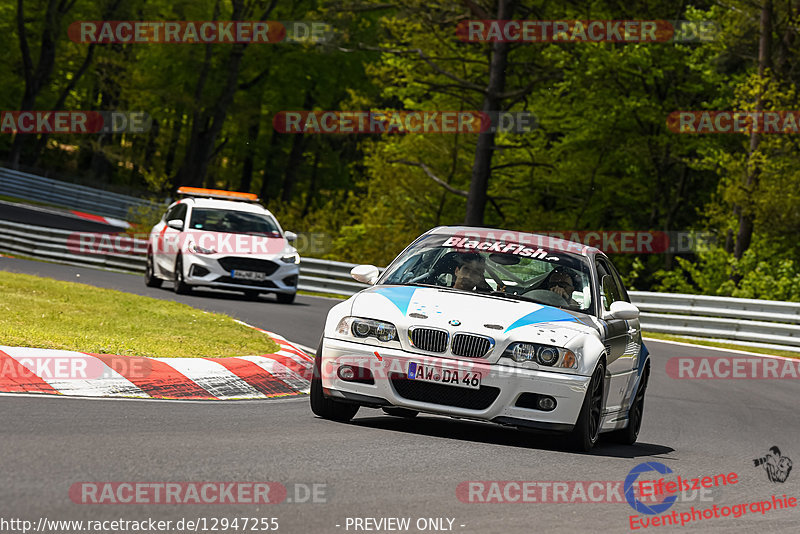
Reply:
x=150, y=278
x=285, y=298
x=629, y=434
x=180, y=287
x=323, y=406
x=587, y=429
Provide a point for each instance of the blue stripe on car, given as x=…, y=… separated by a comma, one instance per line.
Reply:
x=545, y=314
x=399, y=296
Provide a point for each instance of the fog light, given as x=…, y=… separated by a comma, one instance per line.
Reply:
x=546, y=403
x=198, y=270
x=346, y=372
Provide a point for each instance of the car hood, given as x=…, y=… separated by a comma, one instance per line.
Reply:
x=503, y=319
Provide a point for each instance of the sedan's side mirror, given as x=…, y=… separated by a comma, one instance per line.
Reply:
x=290, y=236
x=624, y=310
x=365, y=273
x=175, y=224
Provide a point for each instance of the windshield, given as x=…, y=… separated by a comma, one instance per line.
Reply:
x=512, y=270
x=233, y=222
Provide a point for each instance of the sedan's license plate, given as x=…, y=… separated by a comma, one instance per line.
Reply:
x=451, y=377
x=249, y=275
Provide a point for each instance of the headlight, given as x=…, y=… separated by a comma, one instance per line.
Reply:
x=197, y=249
x=291, y=258
x=545, y=355
x=364, y=328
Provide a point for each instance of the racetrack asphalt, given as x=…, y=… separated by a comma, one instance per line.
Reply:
x=380, y=466
x=51, y=217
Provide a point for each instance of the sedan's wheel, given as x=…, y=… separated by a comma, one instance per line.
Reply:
x=400, y=412
x=587, y=429
x=180, y=287
x=285, y=298
x=629, y=434
x=150, y=278
x=323, y=406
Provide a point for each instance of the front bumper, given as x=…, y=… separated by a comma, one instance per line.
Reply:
x=205, y=270
x=496, y=400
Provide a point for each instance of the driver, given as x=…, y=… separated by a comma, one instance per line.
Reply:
x=470, y=272
x=561, y=284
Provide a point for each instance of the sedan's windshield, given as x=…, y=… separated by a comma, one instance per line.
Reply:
x=233, y=222
x=507, y=269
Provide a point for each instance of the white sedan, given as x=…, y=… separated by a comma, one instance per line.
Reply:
x=224, y=240
x=508, y=327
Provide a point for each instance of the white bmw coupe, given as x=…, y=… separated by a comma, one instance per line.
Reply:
x=513, y=328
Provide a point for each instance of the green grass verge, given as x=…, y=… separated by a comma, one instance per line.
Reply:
x=693, y=341
x=50, y=314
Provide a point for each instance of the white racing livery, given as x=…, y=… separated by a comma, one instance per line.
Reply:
x=223, y=240
x=513, y=328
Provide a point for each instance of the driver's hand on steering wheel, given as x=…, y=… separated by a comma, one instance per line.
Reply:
x=561, y=285
x=561, y=292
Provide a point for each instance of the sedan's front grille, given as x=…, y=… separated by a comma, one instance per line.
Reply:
x=471, y=399
x=471, y=346
x=429, y=339
x=238, y=281
x=232, y=263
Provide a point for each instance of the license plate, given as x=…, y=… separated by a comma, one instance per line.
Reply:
x=249, y=275
x=451, y=377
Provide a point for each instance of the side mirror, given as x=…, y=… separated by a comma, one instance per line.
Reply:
x=290, y=236
x=176, y=224
x=624, y=310
x=365, y=273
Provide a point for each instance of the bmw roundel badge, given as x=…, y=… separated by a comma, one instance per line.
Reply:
x=455, y=322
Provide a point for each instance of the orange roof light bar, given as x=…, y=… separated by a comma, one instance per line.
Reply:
x=217, y=193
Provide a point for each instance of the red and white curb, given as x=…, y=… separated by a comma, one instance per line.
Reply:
x=59, y=372
x=119, y=223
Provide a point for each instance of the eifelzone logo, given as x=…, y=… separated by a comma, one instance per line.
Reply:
x=777, y=467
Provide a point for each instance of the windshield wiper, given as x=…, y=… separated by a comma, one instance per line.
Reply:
x=426, y=285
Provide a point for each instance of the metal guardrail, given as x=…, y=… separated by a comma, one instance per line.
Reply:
x=64, y=246
x=760, y=323
x=37, y=188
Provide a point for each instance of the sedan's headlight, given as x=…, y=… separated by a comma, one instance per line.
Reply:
x=364, y=328
x=546, y=355
x=291, y=258
x=197, y=249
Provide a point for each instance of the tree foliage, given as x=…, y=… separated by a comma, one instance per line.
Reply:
x=601, y=158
